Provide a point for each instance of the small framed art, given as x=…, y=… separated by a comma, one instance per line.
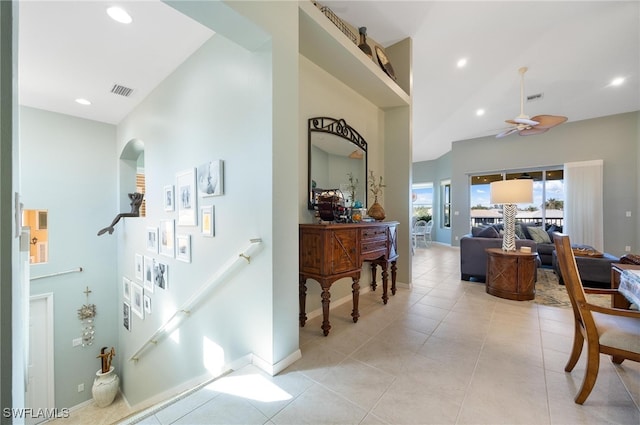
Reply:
x=147, y=304
x=161, y=274
x=139, y=265
x=126, y=289
x=211, y=178
x=148, y=273
x=166, y=237
x=126, y=316
x=183, y=248
x=152, y=239
x=208, y=221
x=186, y=198
x=136, y=300
x=168, y=198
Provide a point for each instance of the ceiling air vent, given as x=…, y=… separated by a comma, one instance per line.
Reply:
x=121, y=90
x=534, y=97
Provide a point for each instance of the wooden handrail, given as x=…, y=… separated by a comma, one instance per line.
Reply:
x=187, y=307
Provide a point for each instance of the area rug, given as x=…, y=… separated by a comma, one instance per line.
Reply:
x=549, y=292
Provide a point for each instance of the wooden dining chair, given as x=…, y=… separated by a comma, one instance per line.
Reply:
x=611, y=331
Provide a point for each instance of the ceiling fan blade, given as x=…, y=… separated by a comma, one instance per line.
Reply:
x=533, y=131
x=548, y=121
x=525, y=121
x=506, y=133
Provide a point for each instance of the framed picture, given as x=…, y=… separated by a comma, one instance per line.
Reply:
x=148, y=273
x=211, y=178
x=147, y=304
x=136, y=300
x=126, y=289
x=166, y=237
x=161, y=274
x=126, y=316
x=168, y=198
x=152, y=239
x=139, y=267
x=208, y=221
x=42, y=220
x=183, y=248
x=186, y=198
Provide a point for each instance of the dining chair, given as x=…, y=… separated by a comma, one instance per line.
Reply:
x=427, y=235
x=419, y=232
x=611, y=331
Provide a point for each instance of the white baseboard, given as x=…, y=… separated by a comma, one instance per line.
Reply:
x=274, y=369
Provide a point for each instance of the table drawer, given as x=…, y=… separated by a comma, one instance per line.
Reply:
x=373, y=233
x=373, y=248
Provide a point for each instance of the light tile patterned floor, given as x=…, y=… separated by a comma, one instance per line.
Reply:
x=444, y=352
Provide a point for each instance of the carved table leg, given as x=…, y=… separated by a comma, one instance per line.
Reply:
x=302, y=294
x=373, y=277
x=385, y=281
x=356, y=296
x=326, y=295
x=394, y=271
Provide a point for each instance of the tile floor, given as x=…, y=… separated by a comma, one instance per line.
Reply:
x=444, y=352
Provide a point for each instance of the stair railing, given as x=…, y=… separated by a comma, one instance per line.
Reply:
x=187, y=307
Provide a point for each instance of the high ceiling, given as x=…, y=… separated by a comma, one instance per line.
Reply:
x=573, y=51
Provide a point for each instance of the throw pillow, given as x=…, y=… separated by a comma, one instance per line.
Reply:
x=520, y=232
x=539, y=235
x=489, y=232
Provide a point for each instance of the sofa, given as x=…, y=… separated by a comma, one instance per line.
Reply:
x=473, y=257
x=594, y=271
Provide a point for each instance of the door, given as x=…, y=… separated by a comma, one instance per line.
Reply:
x=40, y=385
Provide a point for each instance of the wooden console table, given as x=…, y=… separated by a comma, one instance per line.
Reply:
x=511, y=274
x=329, y=252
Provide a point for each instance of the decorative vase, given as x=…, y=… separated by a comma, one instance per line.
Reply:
x=105, y=387
x=363, y=42
x=376, y=211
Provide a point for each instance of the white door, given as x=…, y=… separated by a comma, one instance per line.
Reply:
x=40, y=388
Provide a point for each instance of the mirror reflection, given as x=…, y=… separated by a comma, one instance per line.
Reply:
x=37, y=222
x=337, y=161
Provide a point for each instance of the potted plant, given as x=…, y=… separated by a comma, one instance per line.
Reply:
x=375, y=186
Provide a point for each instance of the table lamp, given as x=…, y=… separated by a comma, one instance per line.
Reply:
x=509, y=193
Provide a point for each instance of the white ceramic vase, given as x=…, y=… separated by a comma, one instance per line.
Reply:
x=105, y=387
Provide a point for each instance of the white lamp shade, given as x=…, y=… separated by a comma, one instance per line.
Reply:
x=512, y=191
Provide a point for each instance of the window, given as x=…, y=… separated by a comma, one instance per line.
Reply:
x=548, y=198
x=422, y=200
x=446, y=203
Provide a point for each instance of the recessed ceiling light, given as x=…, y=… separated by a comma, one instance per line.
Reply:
x=462, y=63
x=617, y=81
x=83, y=101
x=480, y=112
x=119, y=14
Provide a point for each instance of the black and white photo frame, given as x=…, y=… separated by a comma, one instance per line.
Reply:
x=207, y=221
x=126, y=289
x=147, y=304
x=148, y=273
x=139, y=266
x=186, y=198
x=168, y=198
x=152, y=239
x=126, y=315
x=211, y=178
x=160, y=274
x=183, y=248
x=136, y=300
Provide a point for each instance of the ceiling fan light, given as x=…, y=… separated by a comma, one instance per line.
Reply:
x=618, y=81
x=118, y=14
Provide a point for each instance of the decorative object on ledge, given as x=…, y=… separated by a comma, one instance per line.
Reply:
x=383, y=60
x=136, y=201
x=86, y=314
x=106, y=383
x=375, y=210
x=509, y=193
x=339, y=23
x=363, y=42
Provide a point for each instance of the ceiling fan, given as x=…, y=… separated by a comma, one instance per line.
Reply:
x=526, y=126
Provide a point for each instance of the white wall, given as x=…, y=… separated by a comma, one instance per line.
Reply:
x=67, y=167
